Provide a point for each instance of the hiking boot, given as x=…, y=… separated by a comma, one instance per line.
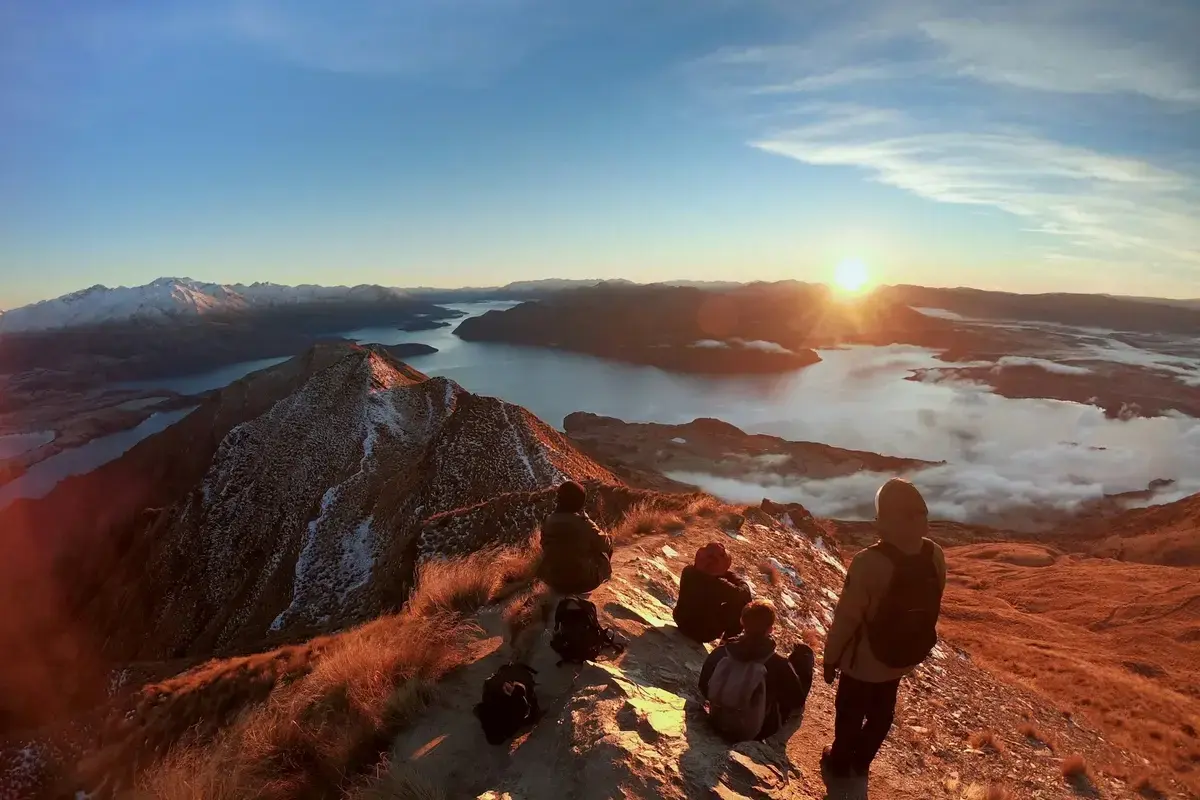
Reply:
x=832, y=770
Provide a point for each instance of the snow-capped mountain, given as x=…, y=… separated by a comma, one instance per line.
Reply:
x=309, y=514
x=168, y=298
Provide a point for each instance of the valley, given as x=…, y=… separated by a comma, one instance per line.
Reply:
x=223, y=555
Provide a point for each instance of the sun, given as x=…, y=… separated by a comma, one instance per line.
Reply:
x=851, y=276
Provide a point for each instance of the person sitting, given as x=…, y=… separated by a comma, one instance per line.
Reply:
x=711, y=596
x=576, y=554
x=751, y=689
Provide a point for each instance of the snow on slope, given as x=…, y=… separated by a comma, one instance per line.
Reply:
x=174, y=297
x=307, y=512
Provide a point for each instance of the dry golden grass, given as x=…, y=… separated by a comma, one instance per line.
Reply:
x=1075, y=770
x=400, y=782
x=313, y=736
x=1112, y=644
x=1035, y=736
x=993, y=791
x=667, y=514
x=987, y=740
x=1146, y=787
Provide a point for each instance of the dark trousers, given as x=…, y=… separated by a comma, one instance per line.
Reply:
x=864, y=716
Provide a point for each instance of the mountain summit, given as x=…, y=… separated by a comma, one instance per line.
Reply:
x=176, y=298
x=308, y=514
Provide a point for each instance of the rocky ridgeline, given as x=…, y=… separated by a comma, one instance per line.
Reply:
x=306, y=516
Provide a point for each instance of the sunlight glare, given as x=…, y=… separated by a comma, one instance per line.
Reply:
x=851, y=276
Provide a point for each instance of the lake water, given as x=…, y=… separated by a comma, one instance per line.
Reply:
x=17, y=443
x=1000, y=453
x=44, y=475
x=205, y=381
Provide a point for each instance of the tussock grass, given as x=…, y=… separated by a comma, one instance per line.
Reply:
x=1033, y=734
x=992, y=791
x=312, y=737
x=401, y=782
x=987, y=740
x=1146, y=787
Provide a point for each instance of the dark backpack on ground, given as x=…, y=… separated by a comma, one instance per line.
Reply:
x=509, y=703
x=903, y=631
x=578, y=636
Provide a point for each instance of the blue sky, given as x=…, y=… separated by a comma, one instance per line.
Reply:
x=1031, y=146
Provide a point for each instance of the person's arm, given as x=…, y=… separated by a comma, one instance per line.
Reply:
x=850, y=613
x=710, y=664
x=598, y=540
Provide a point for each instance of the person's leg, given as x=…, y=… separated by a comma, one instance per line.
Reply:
x=803, y=660
x=880, y=712
x=850, y=710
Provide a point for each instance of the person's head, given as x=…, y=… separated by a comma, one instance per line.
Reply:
x=571, y=497
x=712, y=559
x=901, y=513
x=758, y=618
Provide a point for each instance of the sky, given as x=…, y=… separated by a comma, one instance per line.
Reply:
x=1029, y=146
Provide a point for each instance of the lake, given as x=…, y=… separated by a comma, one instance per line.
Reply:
x=1001, y=453
x=45, y=475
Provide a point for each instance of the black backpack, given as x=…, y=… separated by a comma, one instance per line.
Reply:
x=903, y=631
x=578, y=636
x=509, y=703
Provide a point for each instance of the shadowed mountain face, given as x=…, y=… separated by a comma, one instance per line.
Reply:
x=286, y=504
x=1084, y=310
x=761, y=328
x=305, y=516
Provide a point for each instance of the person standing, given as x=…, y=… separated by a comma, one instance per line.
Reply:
x=885, y=624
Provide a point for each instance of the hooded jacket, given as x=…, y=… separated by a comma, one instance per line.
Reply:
x=710, y=606
x=785, y=692
x=575, y=554
x=902, y=522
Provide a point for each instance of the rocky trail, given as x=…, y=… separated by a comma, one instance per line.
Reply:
x=634, y=726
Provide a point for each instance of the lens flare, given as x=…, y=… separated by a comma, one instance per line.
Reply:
x=851, y=276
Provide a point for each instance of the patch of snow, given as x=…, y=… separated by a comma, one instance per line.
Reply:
x=307, y=556
x=679, y=440
x=358, y=558
x=710, y=344
x=818, y=544
x=786, y=570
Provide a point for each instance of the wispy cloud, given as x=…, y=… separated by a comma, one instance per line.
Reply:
x=1073, y=115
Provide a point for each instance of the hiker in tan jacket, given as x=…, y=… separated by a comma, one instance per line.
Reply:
x=883, y=626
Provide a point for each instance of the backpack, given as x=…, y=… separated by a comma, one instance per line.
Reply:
x=903, y=631
x=578, y=636
x=509, y=703
x=737, y=698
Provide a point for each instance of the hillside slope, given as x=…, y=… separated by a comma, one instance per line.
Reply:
x=636, y=724
x=305, y=518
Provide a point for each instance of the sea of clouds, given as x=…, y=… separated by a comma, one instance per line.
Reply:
x=1002, y=455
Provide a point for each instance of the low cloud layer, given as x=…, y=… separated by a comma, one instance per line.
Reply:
x=1041, y=363
x=1007, y=459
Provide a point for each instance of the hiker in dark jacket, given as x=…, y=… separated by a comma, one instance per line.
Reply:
x=867, y=689
x=576, y=559
x=787, y=691
x=711, y=596
x=576, y=555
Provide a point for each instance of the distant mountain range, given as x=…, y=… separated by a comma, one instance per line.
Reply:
x=181, y=299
